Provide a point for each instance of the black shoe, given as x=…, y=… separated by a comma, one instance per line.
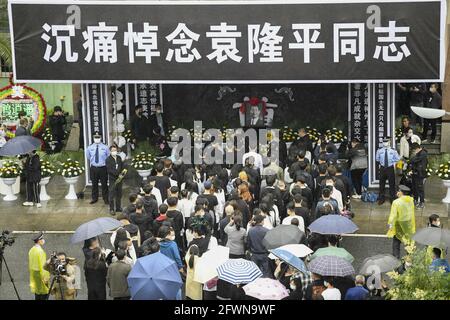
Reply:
x=380, y=202
x=119, y=210
x=112, y=212
x=93, y=201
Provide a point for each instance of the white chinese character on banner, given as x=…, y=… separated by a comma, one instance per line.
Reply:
x=62, y=40
x=100, y=43
x=348, y=38
x=224, y=42
x=265, y=42
x=147, y=42
x=184, y=38
x=390, y=51
x=308, y=41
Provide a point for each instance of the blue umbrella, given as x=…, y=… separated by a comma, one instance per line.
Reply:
x=290, y=259
x=94, y=228
x=20, y=145
x=238, y=271
x=154, y=277
x=333, y=224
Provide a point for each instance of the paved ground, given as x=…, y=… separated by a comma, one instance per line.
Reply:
x=17, y=255
x=59, y=214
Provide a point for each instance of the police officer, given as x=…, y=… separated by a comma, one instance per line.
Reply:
x=387, y=157
x=97, y=153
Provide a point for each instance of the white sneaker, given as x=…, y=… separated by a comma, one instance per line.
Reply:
x=38, y=205
x=434, y=142
x=27, y=204
x=424, y=141
x=356, y=196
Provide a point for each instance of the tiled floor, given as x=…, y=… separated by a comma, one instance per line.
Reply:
x=59, y=214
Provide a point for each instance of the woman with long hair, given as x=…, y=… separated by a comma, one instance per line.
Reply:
x=96, y=271
x=194, y=289
x=236, y=237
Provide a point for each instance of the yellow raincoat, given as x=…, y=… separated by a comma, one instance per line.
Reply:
x=39, y=278
x=402, y=219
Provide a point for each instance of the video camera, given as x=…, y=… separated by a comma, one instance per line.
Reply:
x=6, y=239
x=58, y=267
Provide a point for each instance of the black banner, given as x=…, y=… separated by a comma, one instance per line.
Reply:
x=381, y=123
x=358, y=111
x=228, y=41
x=148, y=95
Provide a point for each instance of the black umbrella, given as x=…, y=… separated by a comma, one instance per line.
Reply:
x=282, y=235
x=20, y=145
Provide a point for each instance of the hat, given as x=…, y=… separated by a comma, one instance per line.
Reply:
x=207, y=184
x=40, y=236
x=57, y=108
x=386, y=139
x=97, y=135
x=404, y=188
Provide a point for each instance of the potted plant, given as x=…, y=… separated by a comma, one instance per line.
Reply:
x=47, y=171
x=443, y=172
x=9, y=173
x=71, y=171
x=143, y=163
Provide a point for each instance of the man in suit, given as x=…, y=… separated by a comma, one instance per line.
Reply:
x=32, y=171
x=114, y=167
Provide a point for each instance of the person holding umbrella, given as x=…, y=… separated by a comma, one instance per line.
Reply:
x=32, y=172
x=96, y=272
x=402, y=222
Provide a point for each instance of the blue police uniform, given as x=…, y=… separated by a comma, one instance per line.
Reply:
x=97, y=153
x=387, y=158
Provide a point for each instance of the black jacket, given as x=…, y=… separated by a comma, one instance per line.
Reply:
x=32, y=168
x=419, y=164
x=57, y=124
x=114, y=167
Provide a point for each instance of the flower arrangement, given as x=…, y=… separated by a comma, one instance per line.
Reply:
x=10, y=169
x=70, y=168
x=47, y=169
x=443, y=171
x=313, y=133
x=429, y=171
x=128, y=135
x=288, y=134
x=398, y=134
x=335, y=135
x=418, y=282
x=47, y=135
x=143, y=161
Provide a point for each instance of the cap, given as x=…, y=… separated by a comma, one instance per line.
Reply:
x=207, y=184
x=97, y=135
x=40, y=236
x=404, y=188
x=386, y=139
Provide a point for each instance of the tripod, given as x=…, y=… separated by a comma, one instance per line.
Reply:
x=57, y=279
x=3, y=260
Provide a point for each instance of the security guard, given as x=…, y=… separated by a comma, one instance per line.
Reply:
x=97, y=153
x=387, y=157
x=39, y=277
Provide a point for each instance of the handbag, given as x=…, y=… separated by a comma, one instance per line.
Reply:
x=367, y=196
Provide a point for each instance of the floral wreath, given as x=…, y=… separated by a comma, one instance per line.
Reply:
x=261, y=103
x=19, y=91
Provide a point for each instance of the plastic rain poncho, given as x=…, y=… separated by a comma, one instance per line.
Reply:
x=39, y=278
x=402, y=219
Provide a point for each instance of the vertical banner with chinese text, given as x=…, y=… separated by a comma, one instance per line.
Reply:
x=358, y=111
x=148, y=95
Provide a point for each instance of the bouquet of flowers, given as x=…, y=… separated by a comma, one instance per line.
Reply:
x=70, y=168
x=335, y=135
x=47, y=169
x=128, y=135
x=288, y=134
x=398, y=134
x=313, y=133
x=444, y=171
x=47, y=135
x=143, y=161
x=10, y=169
x=429, y=170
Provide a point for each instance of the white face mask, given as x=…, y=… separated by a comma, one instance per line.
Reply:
x=386, y=144
x=409, y=134
x=293, y=287
x=97, y=140
x=43, y=241
x=114, y=153
x=325, y=284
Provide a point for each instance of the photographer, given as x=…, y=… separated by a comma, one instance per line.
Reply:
x=62, y=268
x=39, y=276
x=57, y=124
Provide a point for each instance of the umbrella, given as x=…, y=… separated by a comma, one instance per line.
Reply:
x=380, y=262
x=333, y=251
x=298, y=250
x=237, y=271
x=266, y=289
x=282, y=235
x=331, y=266
x=205, y=269
x=429, y=113
x=94, y=228
x=20, y=145
x=333, y=224
x=290, y=259
x=154, y=277
x=436, y=237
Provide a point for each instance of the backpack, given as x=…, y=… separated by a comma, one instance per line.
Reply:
x=367, y=196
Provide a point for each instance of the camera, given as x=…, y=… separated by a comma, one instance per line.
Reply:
x=6, y=239
x=58, y=266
